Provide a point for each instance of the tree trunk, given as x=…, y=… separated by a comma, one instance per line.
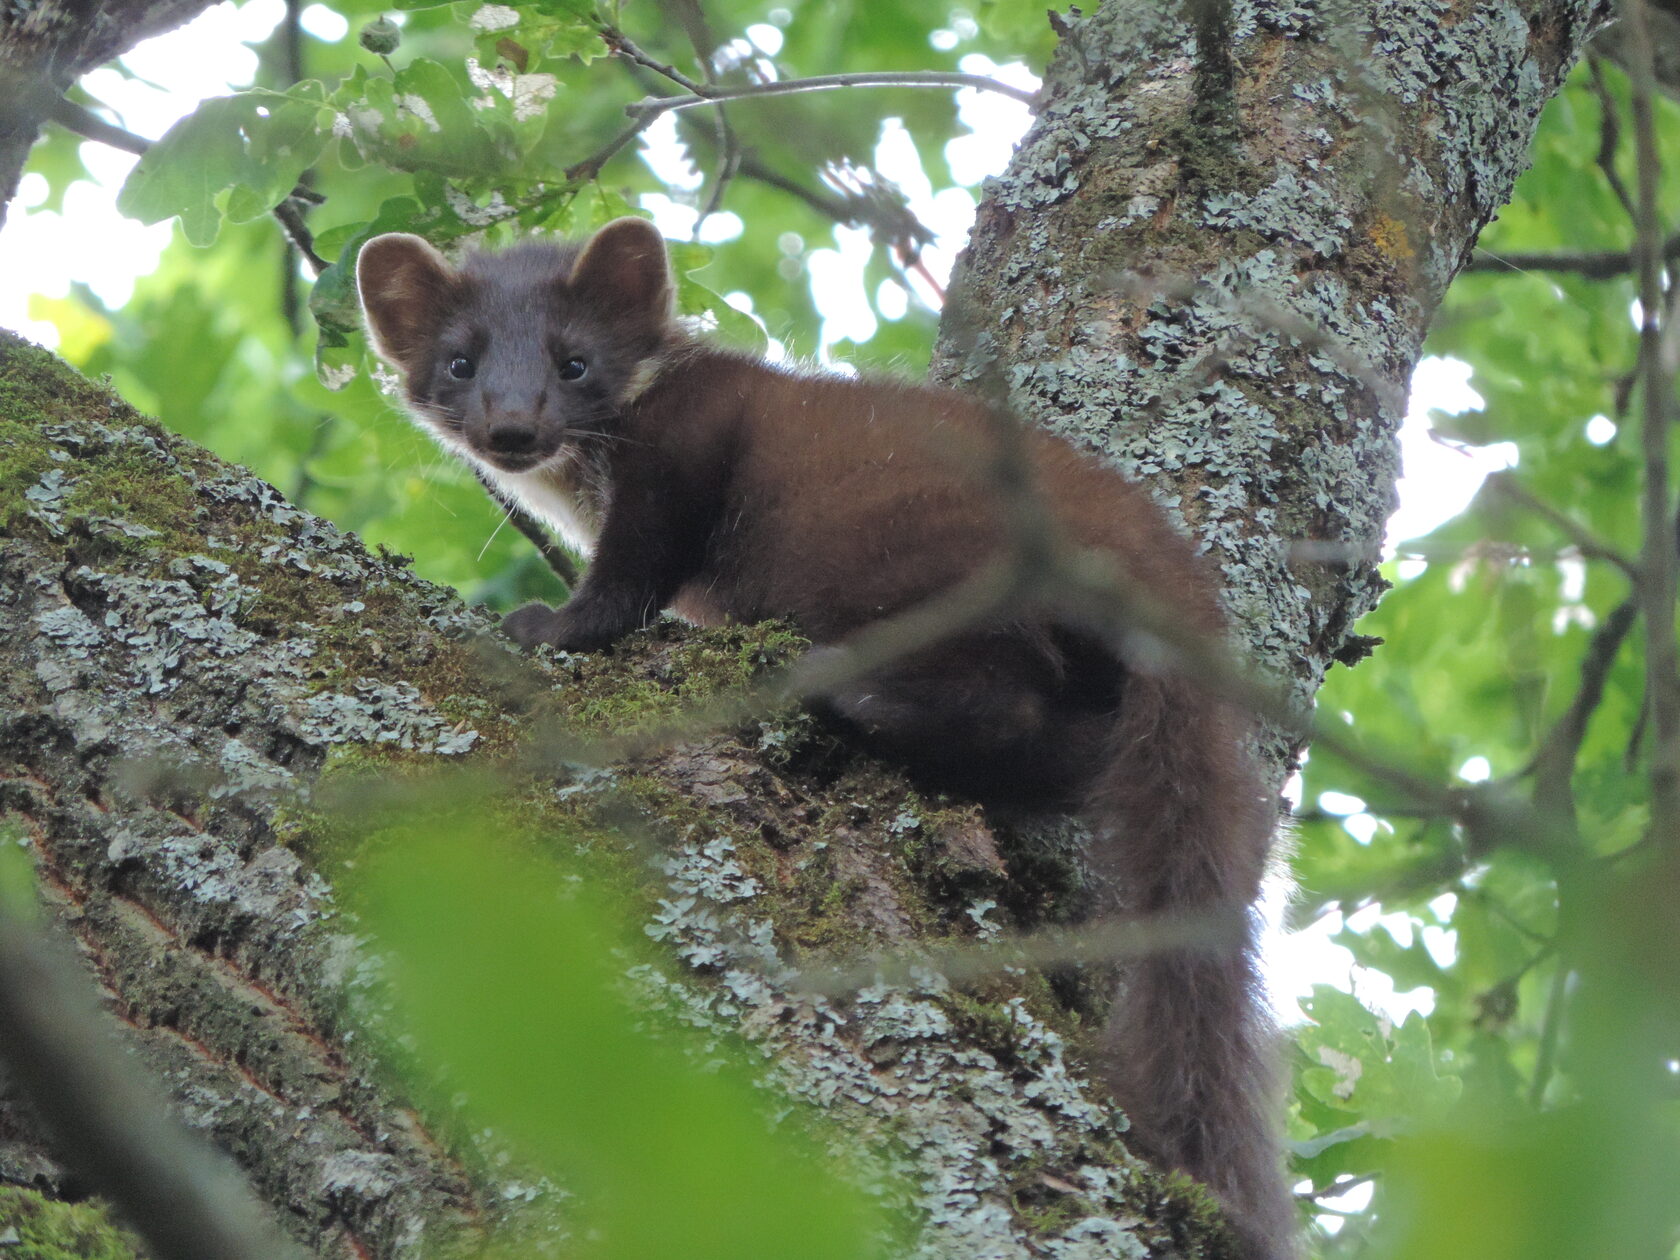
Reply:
x=1216, y=266
x=1215, y=256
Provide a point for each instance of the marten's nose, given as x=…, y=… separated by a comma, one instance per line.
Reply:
x=511, y=437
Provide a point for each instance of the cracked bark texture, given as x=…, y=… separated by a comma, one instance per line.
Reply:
x=183, y=655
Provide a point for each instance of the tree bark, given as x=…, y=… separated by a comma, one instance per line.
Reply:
x=187, y=663
x=1213, y=260
x=1215, y=256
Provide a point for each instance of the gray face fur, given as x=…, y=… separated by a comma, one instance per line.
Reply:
x=517, y=356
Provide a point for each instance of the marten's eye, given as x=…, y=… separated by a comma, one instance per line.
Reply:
x=462, y=368
x=573, y=370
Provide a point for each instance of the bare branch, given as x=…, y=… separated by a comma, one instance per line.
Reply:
x=1609, y=136
x=703, y=95
x=90, y=126
x=693, y=21
x=1553, y=766
x=297, y=232
x=622, y=46
x=591, y=166
x=1586, y=542
x=1658, y=560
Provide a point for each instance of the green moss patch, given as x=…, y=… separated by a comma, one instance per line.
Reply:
x=34, y=1227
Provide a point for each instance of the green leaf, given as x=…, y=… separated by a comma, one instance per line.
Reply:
x=1381, y=1072
x=252, y=146
x=531, y=34
x=693, y=298
x=420, y=120
x=512, y=972
x=184, y=171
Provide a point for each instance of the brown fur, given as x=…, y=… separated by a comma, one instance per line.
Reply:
x=731, y=490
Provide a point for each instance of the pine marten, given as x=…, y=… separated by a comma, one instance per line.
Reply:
x=715, y=484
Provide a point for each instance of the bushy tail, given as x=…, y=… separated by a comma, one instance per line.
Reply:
x=1190, y=1051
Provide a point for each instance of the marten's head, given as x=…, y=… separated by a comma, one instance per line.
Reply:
x=516, y=356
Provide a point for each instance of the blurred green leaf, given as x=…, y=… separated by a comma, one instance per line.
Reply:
x=512, y=974
x=233, y=155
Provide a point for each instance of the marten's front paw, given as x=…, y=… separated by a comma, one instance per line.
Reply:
x=531, y=625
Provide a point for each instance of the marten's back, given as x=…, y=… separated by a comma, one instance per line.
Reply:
x=842, y=500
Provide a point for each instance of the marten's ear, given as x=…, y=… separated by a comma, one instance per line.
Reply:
x=624, y=266
x=404, y=285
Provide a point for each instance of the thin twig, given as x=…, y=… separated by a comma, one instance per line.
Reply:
x=1658, y=561
x=551, y=551
x=297, y=231
x=1586, y=542
x=590, y=167
x=622, y=46
x=1609, y=136
x=702, y=95
x=889, y=221
x=728, y=165
x=693, y=21
x=1552, y=1022
x=1337, y=1188
x=90, y=126
x=1594, y=265
x=1553, y=766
